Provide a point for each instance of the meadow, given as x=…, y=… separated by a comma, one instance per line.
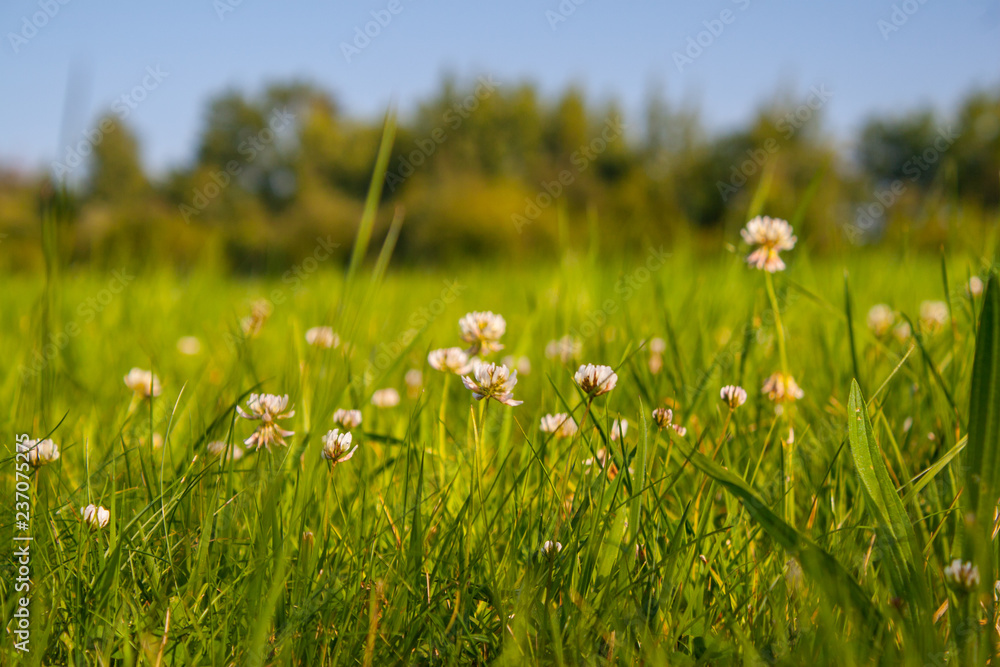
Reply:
x=792, y=528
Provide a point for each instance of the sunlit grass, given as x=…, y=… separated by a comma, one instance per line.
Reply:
x=426, y=546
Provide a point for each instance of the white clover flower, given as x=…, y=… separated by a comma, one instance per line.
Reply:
x=771, y=236
x=482, y=331
x=663, y=417
x=680, y=430
x=41, y=452
x=492, y=381
x=782, y=388
x=348, y=419
x=933, y=315
x=733, y=396
x=267, y=409
x=143, y=383
x=561, y=424
x=96, y=516
x=975, y=286
x=323, y=337
x=618, y=429
x=414, y=380
x=657, y=345
x=188, y=345
x=962, y=576
x=595, y=380
x=220, y=449
x=520, y=364
x=337, y=447
x=880, y=319
x=260, y=311
x=902, y=332
x=385, y=398
x=550, y=548
x=565, y=349
x=450, y=360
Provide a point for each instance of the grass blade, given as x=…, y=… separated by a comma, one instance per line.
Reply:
x=881, y=493
x=816, y=562
x=374, y=195
x=983, y=449
x=897, y=539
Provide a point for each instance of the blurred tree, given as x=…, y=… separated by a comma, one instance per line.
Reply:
x=890, y=149
x=115, y=173
x=493, y=169
x=567, y=128
x=977, y=149
x=254, y=144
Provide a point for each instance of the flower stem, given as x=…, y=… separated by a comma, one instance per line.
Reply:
x=779, y=329
x=479, y=482
x=725, y=431
x=571, y=457
x=441, y=429
x=787, y=448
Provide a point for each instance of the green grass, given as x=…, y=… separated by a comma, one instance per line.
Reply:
x=402, y=555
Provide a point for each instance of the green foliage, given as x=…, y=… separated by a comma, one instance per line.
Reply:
x=895, y=537
x=887, y=147
x=838, y=584
x=116, y=169
x=490, y=169
x=425, y=547
x=983, y=449
x=745, y=536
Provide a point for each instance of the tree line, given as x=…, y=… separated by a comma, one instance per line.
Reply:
x=494, y=171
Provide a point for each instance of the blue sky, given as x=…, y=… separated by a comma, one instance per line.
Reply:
x=55, y=80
